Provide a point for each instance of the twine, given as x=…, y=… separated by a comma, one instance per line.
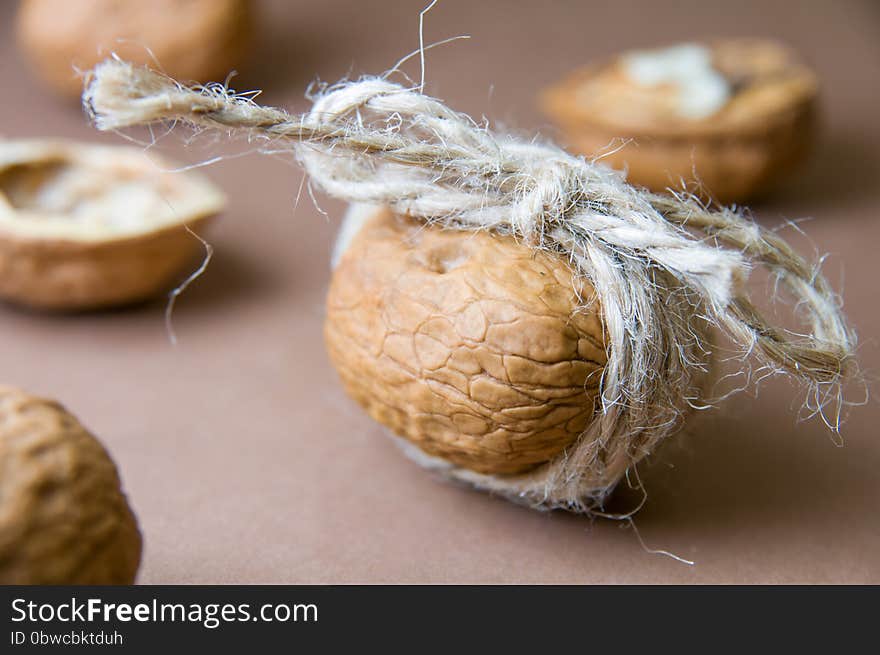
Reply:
x=667, y=270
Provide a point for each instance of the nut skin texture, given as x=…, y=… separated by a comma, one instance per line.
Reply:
x=764, y=132
x=64, y=276
x=63, y=517
x=190, y=39
x=466, y=344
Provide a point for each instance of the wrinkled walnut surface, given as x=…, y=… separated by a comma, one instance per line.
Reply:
x=470, y=345
x=197, y=40
x=63, y=517
x=85, y=226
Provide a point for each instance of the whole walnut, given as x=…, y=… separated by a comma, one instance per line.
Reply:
x=63, y=516
x=474, y=347
x=189, y=39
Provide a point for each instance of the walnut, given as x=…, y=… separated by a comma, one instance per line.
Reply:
x=472, y=346
x=63, y=517
x=86, y=226
x=734, y=120
x=189, y=39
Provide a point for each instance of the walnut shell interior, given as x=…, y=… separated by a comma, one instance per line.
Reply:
x=761, y=133
x=85, y=226
x=472, y=346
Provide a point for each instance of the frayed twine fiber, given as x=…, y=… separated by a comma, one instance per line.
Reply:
x=666, y=269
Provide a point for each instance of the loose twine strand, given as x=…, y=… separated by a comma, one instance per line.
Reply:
x=667, y=270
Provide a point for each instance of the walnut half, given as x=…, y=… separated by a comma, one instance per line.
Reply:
x=85, y=226
x=761, y=128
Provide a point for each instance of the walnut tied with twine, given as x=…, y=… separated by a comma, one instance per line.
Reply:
x=666, y=270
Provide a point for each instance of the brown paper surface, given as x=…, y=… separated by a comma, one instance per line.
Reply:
x=246, y=463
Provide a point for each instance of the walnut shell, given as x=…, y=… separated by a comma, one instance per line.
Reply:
x=63, y=516
x=759, y=135
x=189, y=39
x=472, y=346
x=86, y=226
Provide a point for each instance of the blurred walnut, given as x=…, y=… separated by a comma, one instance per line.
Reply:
x=189, y=39
x=733, y=117
x=85, y=226
x=63, y=517
x=472, y=346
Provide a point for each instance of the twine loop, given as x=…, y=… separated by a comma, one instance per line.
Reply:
x=667, y=270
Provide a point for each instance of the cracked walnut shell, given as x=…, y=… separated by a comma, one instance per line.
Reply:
x=636, y=112
x=85, y=226
x=472, y=346
x=63, y=516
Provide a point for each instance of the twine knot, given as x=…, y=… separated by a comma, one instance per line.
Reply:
x=667, y=270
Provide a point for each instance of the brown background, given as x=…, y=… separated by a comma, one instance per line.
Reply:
x=246, y=463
